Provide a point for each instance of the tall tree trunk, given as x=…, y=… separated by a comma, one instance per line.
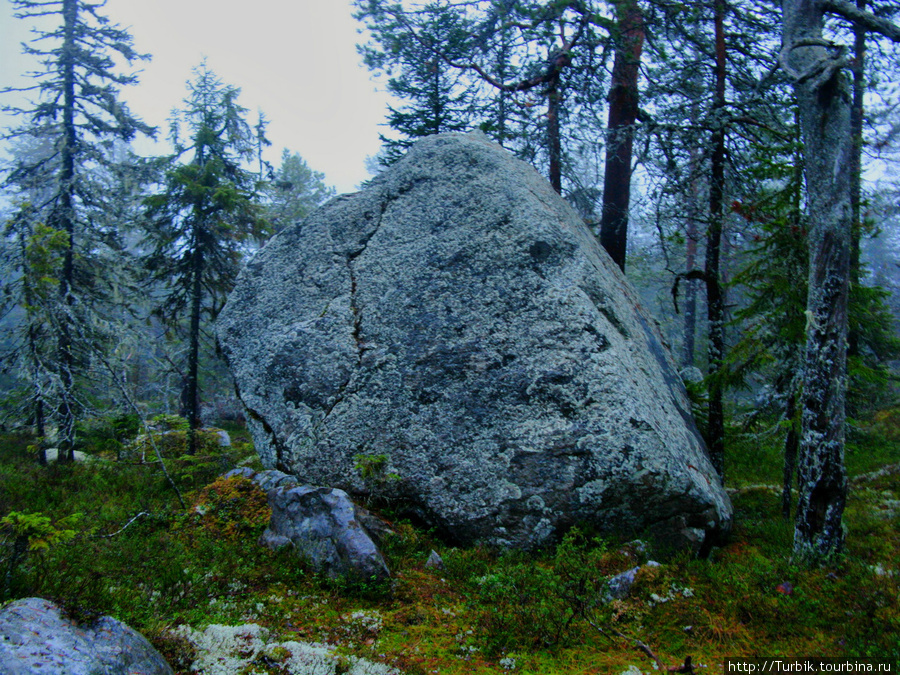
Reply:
x=192, y=388
x=794, y=386
x=715, y=302
x=554, y=144
x=64, y=219
x=623, y=112
x=825, y=107
x=856, y=129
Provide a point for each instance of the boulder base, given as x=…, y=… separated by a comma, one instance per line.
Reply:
x=457, y=317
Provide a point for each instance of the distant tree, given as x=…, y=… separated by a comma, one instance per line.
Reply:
x=77, y=114
x=504, y=55
x=435, y=96
x=773, y=277
x=198, y=227
x=294, y=191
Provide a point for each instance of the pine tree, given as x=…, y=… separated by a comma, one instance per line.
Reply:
x=200, y=225
x=77, y=112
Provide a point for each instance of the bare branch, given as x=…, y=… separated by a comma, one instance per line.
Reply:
x=635, y=641
x=822, y=69
x=123, y=528
x=863, y=18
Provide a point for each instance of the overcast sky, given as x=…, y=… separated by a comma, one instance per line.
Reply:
x=295, y=60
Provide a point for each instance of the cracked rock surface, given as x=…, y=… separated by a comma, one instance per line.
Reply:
x=458, y=317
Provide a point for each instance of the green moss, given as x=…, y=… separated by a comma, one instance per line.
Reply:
x=485, y=612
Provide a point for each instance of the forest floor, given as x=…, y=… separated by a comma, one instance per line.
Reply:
x=177, y=568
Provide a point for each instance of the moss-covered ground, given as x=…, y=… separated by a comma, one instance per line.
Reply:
x=485, y=611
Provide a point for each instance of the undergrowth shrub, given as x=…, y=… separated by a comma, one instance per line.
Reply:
x=532, y=603
x=107, y=436
x=24, y=536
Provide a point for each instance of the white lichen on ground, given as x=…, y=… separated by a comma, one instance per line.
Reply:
x=224, y=650
x=632, y=670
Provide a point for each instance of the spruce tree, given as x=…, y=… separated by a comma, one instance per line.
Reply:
x=436, y=97
x=77, y=114
x=200, y=225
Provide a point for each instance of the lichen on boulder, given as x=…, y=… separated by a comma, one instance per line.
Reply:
x=459, y=318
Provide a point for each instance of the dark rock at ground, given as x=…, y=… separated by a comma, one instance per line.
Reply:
x=619, y=586
x=458, y=317
x=323, y=525
x=36, y=638
x=434, y=561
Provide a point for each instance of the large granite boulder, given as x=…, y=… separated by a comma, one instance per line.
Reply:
x=458, y=317
x=36, y=638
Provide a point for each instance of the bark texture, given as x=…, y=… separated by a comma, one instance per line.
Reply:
x=623, y=111
x=715, y=300
x=824, y=102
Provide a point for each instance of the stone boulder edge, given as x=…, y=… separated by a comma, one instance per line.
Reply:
x=458, y=317
x=36, y=638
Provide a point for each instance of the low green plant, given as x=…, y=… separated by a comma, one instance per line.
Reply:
x=25, y=533
x=167, y=422
x=107, y=435
x=373, y=469
x=540, y=604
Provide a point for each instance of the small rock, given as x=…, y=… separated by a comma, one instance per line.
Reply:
x=620, y=585
x=222, y=435
x=322, y=525
x=242, y=471
x=52, y=455
x=35, y=637
x=434, y=561
x=337, y=536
